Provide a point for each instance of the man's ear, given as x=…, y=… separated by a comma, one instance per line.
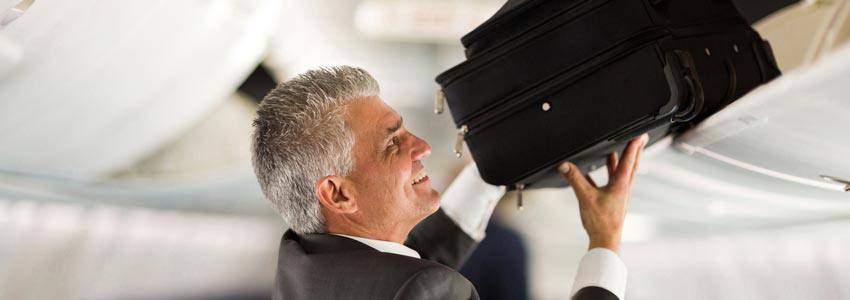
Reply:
x=336, y=194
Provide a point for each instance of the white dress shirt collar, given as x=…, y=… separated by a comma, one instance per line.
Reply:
x=384, y=246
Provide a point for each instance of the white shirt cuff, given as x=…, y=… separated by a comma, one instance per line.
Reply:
x=469, y=202
x=602, y=268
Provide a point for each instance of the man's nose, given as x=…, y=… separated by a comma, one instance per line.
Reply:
x=421, y=149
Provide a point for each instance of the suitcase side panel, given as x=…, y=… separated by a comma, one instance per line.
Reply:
x=523, y=145
x=580, y=115
x=480, y=82
x=724, y=73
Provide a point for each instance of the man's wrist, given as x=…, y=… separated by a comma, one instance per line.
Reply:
x=612, y=244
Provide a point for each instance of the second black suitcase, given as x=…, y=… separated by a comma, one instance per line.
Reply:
x=551, y=80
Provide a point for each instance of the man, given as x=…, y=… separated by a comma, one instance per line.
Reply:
x=340, y=167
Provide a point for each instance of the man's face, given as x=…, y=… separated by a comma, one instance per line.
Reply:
x=392, y=188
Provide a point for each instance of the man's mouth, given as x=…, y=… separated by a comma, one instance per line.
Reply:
x=420, y=177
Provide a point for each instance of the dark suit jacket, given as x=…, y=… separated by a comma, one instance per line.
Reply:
x=324, y=266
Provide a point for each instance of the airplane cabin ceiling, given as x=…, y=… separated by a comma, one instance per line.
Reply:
x=100, y=84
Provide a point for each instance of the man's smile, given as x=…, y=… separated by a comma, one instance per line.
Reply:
x=419, y=177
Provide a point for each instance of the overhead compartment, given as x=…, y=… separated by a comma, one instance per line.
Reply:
x=795, y=128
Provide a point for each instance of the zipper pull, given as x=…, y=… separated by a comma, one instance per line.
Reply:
x=439, y=102
x=519, y=188
x=461, y=132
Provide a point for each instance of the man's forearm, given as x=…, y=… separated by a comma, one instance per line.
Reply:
x=438, y=238
x=469, y=202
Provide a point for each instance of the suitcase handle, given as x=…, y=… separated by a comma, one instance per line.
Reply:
x=694, y=105
x=681, y=70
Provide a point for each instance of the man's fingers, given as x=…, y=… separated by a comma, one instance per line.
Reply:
x=612, y=165
x=627, y=163
x=589, y=179
x=576, y=179
x=637, y=163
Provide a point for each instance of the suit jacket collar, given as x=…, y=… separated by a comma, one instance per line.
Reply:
x=384, y=246
x=319, y=243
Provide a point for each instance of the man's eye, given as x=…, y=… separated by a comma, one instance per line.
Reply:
x=393, y=142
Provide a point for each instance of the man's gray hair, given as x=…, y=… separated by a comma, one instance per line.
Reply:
x=300, y=136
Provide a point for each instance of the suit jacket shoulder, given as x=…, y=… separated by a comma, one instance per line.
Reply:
x=322, y=266
x=437, y=282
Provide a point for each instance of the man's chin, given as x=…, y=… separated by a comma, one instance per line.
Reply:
x=433, y=200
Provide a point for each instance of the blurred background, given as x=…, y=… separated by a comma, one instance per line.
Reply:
x=125, y=153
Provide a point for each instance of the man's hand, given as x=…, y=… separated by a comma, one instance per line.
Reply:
x=603, y=209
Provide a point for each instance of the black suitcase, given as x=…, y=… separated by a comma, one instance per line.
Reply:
x=552, y=80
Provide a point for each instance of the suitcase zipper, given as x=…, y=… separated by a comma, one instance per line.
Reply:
x=505, y=47
x=497, y=111
x=461, y=133
x=476, y=34
x=439, y=102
